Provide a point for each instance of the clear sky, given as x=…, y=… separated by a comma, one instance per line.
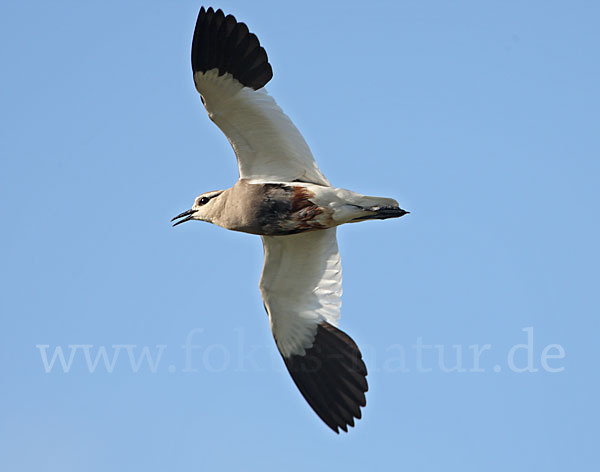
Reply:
x=481, y=118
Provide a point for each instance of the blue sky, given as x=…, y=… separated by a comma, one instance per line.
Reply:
x=481, y=118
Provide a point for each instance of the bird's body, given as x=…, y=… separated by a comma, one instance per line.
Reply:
x=282, y=196
x=284, y=208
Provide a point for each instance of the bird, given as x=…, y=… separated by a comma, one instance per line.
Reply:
x=282, y=195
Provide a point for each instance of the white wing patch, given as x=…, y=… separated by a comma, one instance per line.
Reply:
x=301, y=285
x=267, y=144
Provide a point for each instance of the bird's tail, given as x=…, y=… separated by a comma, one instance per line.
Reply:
x=351, y=207
x=374, y=208
x=380, y=213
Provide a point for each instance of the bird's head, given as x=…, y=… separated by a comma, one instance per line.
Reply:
x=205, y=208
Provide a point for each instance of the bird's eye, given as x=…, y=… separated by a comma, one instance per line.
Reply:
x=203, y=201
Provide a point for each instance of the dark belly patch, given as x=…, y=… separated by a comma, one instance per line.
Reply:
x=288, y=210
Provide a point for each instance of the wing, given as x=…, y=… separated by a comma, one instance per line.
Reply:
x=230, y=70
x=301, y=286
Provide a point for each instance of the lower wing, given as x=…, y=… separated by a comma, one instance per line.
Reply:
x=301, y=286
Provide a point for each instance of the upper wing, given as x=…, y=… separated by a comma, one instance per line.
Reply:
x=230, y=69
x=301, y=286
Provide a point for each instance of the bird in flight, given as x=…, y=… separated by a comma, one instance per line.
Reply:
x=282, y=196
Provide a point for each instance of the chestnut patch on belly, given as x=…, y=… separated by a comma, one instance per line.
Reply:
x=287, y=210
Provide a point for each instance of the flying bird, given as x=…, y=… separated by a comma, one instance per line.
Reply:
x=282, y=196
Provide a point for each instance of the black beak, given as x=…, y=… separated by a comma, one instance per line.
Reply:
x=189, y=214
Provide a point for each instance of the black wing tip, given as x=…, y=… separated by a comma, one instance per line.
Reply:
x=331, y=376
x=221, y=42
